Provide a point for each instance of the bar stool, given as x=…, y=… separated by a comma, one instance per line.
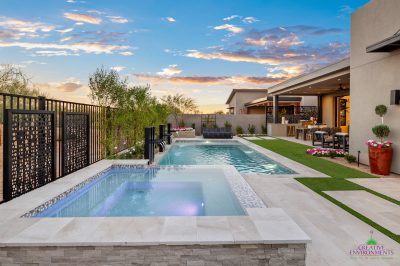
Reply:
x=291, y=131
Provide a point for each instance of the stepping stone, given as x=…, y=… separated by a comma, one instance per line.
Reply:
x=386, y=186
x=383, y=212
x=251, y=138
x=268, y=138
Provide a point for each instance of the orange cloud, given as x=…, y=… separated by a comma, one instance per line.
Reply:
x=171, y=70
x=233, y=57
x=96, y=48
x=82, y=18
x=210, y=80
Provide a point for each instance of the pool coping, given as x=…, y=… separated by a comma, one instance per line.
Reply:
x=261, y=226
x=300, y=169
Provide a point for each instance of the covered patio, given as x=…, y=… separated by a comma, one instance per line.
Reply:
x=331, y=84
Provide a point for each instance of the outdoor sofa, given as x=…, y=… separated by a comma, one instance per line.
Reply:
x=217, y=133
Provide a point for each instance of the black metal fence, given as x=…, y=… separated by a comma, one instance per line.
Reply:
x=45, y=139
x=294, y=115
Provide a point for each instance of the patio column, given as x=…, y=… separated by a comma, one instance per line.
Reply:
x=319, y=117
x=275, y=110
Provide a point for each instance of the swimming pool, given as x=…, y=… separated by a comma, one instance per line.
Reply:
x=242, y=157
x=155, y=191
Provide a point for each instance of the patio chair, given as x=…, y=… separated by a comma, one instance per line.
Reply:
x=341, y=141
x=310, y=133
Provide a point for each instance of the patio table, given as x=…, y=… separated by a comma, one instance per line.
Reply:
x=302, y=131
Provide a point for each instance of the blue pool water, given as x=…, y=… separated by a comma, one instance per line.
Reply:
x=245, y=159
x=150, y=192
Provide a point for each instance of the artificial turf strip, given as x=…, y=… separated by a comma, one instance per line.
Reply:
x=297, y=152
x=339, y=184
x=337, y=181
x=319, y=185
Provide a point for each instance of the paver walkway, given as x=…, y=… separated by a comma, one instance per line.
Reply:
x=333, y=231
x=386, y=186
x=381, y=211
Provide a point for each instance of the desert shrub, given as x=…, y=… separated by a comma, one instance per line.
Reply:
x=239, y=130
x=227, y=124
x=251, y=129
x=264, y=129
x=350, y=158
x=181, y=123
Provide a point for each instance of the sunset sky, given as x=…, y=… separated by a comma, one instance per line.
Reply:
x=201, y=49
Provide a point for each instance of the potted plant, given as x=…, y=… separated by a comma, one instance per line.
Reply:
x=380, y=152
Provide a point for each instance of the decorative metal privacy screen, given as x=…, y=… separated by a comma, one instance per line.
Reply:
x=76, y=139
x=29, y=151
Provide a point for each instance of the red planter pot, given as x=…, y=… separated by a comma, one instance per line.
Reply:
x=380, y=160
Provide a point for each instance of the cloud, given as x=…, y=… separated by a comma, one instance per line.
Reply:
x=233, y=57
x=118, y=68
x=345, y=11
x=75, y=1
x=231, y=17
x=171, y=70
x=9, y=35
x=69, y=86
x=95, y=48
x=229, y=27
x=118, y=19
x=65, y=30
x=126, y=53
x=209, y=80
x=54, y=53
x=31, y=62
x=170, y=19
x=83, y=18
x=249, y=20
x=24, y=26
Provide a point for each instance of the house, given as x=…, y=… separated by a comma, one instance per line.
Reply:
x=348, y=90
x=257, y=101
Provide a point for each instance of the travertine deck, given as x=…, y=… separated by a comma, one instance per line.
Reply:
x=386, y=186
x=333, y=230
x=383, y=212
x=261, y=226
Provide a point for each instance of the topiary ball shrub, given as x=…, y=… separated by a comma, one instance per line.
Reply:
x=381, y=110
x=381, y=131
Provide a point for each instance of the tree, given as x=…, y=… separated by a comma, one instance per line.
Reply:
x=220, y=112
x=14, y=81
x=132, y=108
x=179, y=105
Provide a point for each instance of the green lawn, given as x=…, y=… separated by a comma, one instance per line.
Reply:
x=337, y=181
x=297, y=152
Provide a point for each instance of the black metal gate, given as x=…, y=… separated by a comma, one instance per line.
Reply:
x=76, y=141
x=29, y=151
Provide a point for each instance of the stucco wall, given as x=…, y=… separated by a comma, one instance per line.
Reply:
x=235, y=120
x=245, y=97
x=309, y=101
x=373, y=76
